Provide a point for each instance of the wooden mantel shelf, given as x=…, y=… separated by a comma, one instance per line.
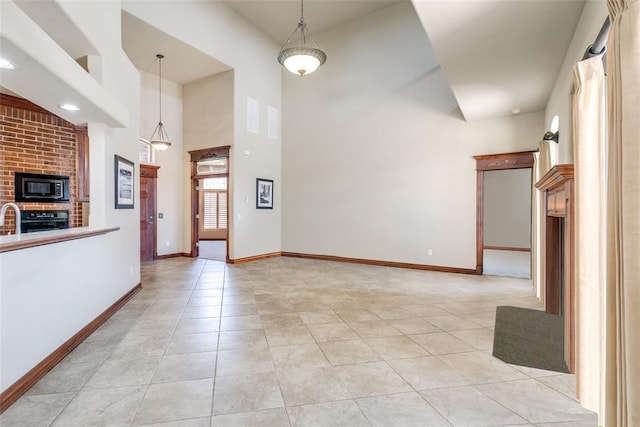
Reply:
x=558, y=175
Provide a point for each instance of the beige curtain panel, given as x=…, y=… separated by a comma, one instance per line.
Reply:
x=589, y=145
x=621, y=340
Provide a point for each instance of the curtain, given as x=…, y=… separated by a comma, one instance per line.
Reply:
x=620, y=406
x=543, y=161
x=589, y=144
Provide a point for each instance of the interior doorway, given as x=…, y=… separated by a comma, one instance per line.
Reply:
x=496, y=245
x=210, y=200
x=213, y=213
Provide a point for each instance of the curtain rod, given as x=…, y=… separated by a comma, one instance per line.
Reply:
x=599, y=46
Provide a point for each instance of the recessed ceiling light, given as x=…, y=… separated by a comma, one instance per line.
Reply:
x=515, y=111
x=70, y=107
x=6, y=64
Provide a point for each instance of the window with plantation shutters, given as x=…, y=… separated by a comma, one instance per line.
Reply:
x=214, y=204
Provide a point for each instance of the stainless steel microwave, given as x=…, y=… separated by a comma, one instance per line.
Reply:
x=33, y=187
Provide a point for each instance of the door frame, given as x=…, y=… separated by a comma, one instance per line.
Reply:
x=151, y=172
x=493, y=162
x=195, y=157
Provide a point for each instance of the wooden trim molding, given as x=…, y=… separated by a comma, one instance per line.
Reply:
x=518, y=160
x=382, y=263
x=506, y=248
x=253, y=258
x=555, y=177
x=493, y=162
x=210, y=153
x=20, y=387
x=59, y=236
x=148, y=171
x=176, y=255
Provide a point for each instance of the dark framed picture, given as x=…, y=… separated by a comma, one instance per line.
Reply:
x=264, y=193
x=124, y=180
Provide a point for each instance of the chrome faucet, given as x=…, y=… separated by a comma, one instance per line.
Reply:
x=17, y=211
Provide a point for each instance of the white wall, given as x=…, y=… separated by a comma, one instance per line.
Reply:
x=215, y=29
x=170, y=197
x=507, y=208
x=46, y=302
x=208, y=122
x=561, y=99
x=377, y=160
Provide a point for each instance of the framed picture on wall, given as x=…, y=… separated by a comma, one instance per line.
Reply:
x=124, y=183
x=264, y=193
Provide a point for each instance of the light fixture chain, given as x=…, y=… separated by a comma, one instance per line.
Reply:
x=160, y=86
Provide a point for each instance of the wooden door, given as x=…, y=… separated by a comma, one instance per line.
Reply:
x=148, y=247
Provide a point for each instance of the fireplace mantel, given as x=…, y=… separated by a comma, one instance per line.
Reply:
x=557, y=184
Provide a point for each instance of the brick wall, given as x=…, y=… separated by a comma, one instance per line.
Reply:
x=35, y=141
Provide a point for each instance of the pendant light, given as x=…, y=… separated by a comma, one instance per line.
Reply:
x=301, y=59
x=159, y=139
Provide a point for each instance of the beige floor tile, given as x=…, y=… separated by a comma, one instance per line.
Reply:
x=175, y=401
x=399, y=347
x=204, y=301
x=373, y=329
x=481, y=339
x=107, y=407
x=319, y=317
x=266, y=418
x=536, y=402
x=452, y=323
x=337, y=414
x=239, y=310
x=362, y=315
x=35, y=410
x=240, y=323
x=441, y=343
x=332, y=332
x=193, y=422
x=281, y=320
x=347, y=352
x=120, y=373
x=243, y=340
x=288, y=335
x=391, y=312
x=371, y=379
x=298, y=356
x=185, y=367
x=311, y=385
x=413, y=325
x=425, y=373
x=193, y=343
x=564, y=383
x=478, y=367
x=424, y=310
x=65, y=377
x=197, y=325
x=243, y=362
x=194, y=312
x=246, y=393
x=405, y=409
x=140, y=346
x=467, y=406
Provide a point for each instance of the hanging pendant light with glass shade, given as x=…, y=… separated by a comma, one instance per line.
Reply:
x=159, y=139
x=302, y=58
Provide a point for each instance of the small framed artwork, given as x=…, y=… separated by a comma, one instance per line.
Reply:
x=124, y=188
x=264, y=193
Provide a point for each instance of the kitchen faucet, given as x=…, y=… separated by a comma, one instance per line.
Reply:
x=17, y=211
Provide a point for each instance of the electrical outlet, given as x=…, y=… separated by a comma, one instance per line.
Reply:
x=429, y=252
x=167, y=243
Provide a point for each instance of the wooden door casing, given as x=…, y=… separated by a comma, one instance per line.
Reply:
x=148, y=227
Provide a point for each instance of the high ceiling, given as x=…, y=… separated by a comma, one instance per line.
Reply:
x=499, y=56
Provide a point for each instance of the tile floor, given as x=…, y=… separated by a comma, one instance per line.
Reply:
x=292, y=342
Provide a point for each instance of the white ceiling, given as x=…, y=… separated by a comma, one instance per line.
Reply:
x=500, y=55
x=182, y=62
x=278, y=18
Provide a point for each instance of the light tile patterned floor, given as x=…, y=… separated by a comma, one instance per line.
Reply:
x=292, y=342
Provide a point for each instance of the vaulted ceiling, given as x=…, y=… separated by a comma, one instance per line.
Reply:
x=499, y=56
